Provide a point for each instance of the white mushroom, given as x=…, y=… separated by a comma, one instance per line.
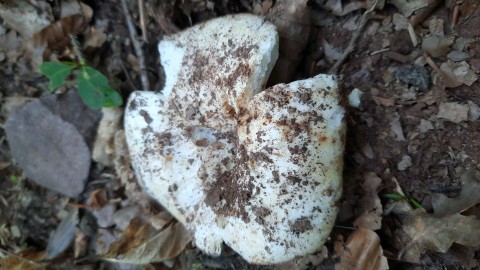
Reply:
x=260, y=171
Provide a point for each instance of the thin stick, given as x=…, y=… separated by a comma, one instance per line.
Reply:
x=353, y=40
x=137, y=47
x=141, y=11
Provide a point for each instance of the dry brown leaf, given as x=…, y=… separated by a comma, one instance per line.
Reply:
x=458, y=73
x=56, y=35
x=427, y=232
x=453, y=111
x=94, y=38
x=362, y=252
x=142, y=244
x=4, y=165
x=98, y=198
x=386, y=102
x=371, y=206
x=468, y=197
x=23, y=260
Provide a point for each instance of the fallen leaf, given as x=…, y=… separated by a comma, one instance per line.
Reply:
x=56, y=36
x=142, y=244
x=458, y=73
x=80, y=245
x=407, y=7
x=94, y=38
x=26, y=259
x=453, y=111
x=458, y=56
x=72, y=7
x=4, y=165
x=98, y=198
x=428, y=232
x=444, y=206
x=370, y=204
x=405, y=163
x=386, y=102
x=436, y=45
x=424, y=126
x=62, y=236
x=396, y=127
x=362, y=252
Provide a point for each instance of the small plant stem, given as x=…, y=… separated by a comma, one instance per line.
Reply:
x=141, y=11
x=76, y=50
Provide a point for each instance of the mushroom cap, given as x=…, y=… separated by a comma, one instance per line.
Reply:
x=260, y=171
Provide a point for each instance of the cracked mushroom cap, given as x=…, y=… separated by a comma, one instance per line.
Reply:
x=260, y=171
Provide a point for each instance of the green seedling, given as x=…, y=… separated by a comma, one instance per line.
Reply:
x=93, y=86
x=13, y=179
x=399, y=197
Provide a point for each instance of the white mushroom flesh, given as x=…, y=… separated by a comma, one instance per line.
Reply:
x=260, y=171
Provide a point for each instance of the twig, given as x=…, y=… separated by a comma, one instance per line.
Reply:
x=456, y=13
x=141, y=11
x=353, y=40
x=137, y=47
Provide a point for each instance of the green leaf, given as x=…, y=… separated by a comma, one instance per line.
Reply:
x=394, y=196
x=56, y=72
x=415, y=203
x=111, y=98
x=95, y=91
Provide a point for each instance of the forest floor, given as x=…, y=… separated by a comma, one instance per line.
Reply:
x=411, y=183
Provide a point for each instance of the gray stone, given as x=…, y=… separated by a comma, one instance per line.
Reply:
x=51, y=151
x=70, y=108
